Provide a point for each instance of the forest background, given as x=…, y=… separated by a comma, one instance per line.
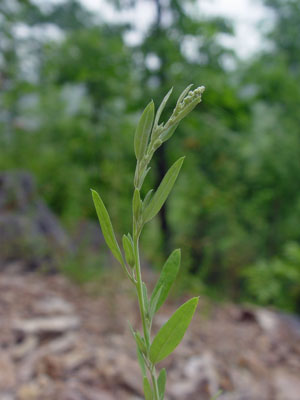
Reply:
x=72, y=90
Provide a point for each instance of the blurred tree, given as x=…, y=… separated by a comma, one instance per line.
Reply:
x=270, y=156
x=285, y=30
x=276, y=282
x=181, y=46
x=68, y=104
x=273, y=156
x=96, y=62
x=13, y=14
x=73, y=90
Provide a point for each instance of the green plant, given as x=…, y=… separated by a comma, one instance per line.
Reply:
x=149, y=136
x=276, y=282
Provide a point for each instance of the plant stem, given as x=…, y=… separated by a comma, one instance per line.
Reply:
x=131, y=278
x=143, y=311
x=154, y=383
x=139, y=288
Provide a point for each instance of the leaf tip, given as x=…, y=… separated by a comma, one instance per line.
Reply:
x=177, y=254
x=181, y=160
x=196, y=300
x=94, y=193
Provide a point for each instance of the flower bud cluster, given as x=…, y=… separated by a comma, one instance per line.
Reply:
x=186, y=105
x=162, y=132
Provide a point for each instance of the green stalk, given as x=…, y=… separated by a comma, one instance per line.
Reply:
x=140, y=289
x=148, y=138
x=141, y=301
x=154, y=383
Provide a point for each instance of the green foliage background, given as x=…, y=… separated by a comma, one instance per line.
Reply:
x=72, y=91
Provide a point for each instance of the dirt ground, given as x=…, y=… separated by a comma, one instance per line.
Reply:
x=59, y=341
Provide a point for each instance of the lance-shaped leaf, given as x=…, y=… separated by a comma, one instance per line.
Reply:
x=141, y=361
x=138, y=339
x=128, y=250
x=136, y=204
x=140, y=342
x=172, y=332
x=166, y=279
x=161, y=382
x=153, y=303
x=147, y=198
x=145, y=297
x=183, y=94
x=143, y=131
x=147, y=389
x=161, y=107
x=163, y=191
x=106, y=227
x=143, y=176
x=168, y=133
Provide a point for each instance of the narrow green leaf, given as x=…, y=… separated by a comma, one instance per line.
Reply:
x=168, y=133
x=153, y=303
x=161, y=382
x=106, y=227
x=141, y=361
x=138, y=339
x=147, y=198
x=183, y=94
x=128, y=250
x=136, y=204
x=140, y=342
x=147, y=389
x=163, y=191
x=166, y=279
x=144, y=174
x=162, y=106
x=146, y=299
x=131, y=329
x=172, y=332
x=143, y=131
x=130, y=238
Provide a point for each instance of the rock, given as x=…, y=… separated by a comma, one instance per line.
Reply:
x=267, y=320
x=7, y=372
x=20, y=350
x=7, y=396
x=286, y=385
x=247, y=387
x=129, y=374
x=77, y=391
x=29, y=391
x=53, y=305
x=49, y=325
x=61, y=344
x=74, y=360
x=17, y=190
x=250, y=361
x=199, y=372
x=29, y=231
x=88, y=235
x=119, y=369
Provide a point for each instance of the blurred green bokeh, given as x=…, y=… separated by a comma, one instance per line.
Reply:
x=72, y=90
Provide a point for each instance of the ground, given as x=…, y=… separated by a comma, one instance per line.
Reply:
x=59, y=341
